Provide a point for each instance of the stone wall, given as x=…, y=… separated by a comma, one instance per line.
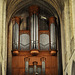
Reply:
x=3, y=38
x=69, y=27
x=66, y=13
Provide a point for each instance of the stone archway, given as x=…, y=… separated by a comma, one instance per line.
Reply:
x=52, y=7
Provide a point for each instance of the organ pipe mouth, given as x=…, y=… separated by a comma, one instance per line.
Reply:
x=34, y=52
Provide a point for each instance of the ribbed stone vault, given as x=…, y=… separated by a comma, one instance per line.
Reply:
x=53, y=6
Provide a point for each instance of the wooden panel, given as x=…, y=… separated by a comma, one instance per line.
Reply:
x=22, y=72
x=24, y=32
x=37, y=59
x=18, y=63
x=44, y=31
x=15, y=62
x=15, y=72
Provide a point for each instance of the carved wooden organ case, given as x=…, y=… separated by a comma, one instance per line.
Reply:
x=34, y=47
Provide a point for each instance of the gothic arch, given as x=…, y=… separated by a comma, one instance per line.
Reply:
x=52, y=7
x=14, y=6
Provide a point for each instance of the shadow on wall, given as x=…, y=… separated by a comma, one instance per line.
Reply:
x=73, y=68
x=0, y=69
x=66, y=73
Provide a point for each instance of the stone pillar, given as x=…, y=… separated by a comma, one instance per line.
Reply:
x=1, y=4
x=3, y=37
x=67, y=30
x=61, y=51
x=9, y=71
x=73, y=15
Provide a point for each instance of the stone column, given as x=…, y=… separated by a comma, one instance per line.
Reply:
x=9, y=71
x=1, y=4
x=67, y=30
x=73, y=15
x=3, y=37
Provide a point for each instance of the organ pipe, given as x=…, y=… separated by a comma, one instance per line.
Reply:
x=43, y=65
x=32, y=34
x=53, y=36
x=26, y=65
x=52, y=27
x=16, y=22
x=35, y=67
x=34, y=27
x=36, y=32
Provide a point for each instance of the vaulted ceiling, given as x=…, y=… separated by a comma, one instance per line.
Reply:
x=53, y=6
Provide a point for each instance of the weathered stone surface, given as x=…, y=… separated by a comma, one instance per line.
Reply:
x=66, y=12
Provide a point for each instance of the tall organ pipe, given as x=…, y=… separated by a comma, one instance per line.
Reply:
x=34, y=32
x=16, y=22
x=53, y=36
x=52, y=26
x=33, y=11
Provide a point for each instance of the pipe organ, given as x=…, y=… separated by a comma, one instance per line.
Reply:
x=34, y=50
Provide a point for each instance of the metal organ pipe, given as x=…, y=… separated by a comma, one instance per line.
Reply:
x=26, y=65
x=16, y=22
x=52, y=27
x=53, y=36
x=33, y=11
x=34, y=32
x=43, y=65
x=16, y=35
